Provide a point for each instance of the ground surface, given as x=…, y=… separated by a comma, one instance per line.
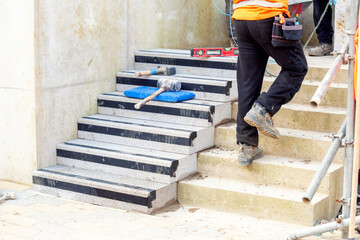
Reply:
x=33, y=215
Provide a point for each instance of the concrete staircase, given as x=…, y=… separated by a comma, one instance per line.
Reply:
x=133, y=159
x=271, y=187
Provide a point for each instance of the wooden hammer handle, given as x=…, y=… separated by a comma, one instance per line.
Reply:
x=150, y=72
x=143, y=73
x=149, y=98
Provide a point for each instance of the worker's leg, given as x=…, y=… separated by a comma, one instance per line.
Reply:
x=325, y=31
x=251, y=66
x=293, y=70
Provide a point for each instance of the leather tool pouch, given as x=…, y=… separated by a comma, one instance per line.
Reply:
x=287, y=34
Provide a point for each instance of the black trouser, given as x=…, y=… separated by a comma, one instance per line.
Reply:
x=325, y=31
x=254, y=39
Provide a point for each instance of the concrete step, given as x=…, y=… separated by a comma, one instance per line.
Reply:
x=191, y=112
x=204, y=87
x=308, y=145
x=273, y=171
x=141, y=133
x=335, y=96
x=306, y=117
x=220, y=66
x=104, y=189
x=269, y=202
x=128, y=161
x=318, y=67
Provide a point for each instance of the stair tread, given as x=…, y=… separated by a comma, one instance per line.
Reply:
x=319, y=109
x=309, y=108
x=184, y=54
x=140, y=124
x=323, y=62
x=221, y=81
x=98, y=178
x=272, y=160
x=146, y=155
x=276, y=192
x=192, y=103
x=289, y=132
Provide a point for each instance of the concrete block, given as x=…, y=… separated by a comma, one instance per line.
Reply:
x=272, y=170
x=104, y=189
x=126, y=161
x=190, y=112
x=269, y=202
x=210, y=88
x=162, y=136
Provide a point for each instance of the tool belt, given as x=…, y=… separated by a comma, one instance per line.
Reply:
x=286, y=32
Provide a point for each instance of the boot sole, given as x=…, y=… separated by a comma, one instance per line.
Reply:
x=260, y=128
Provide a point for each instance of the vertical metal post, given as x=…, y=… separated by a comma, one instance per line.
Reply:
x=349, y=151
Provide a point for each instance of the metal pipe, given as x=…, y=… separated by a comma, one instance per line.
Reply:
x=349, y=150
x=329, y=77
x=325, y=164
x=338, y=224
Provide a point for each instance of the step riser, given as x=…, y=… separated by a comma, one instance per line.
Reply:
x=126, y=161
x=220, y=90
x=304, y=120
x=101, y=201
x=103, y=189
x=139, y=170
x=68, y=194
x=279, y=175
x=286, y=146
x=228, y=72
x=252, y=205
x=335, y=97
x=191, y=145
x=191, y=114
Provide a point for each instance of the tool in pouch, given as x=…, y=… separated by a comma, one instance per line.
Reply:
x=286, y=32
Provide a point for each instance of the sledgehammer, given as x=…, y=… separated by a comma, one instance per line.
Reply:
x=164, y=85
x=159, y=70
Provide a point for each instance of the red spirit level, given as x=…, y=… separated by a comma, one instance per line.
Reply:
x=214, y=52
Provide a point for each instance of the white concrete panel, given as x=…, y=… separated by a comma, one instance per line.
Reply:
x=81, y=41
x=58, y=112
x=17, y=60
x=174, y=24
x=17, y=135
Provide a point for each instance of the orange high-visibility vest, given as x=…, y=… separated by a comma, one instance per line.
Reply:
x=259, y=9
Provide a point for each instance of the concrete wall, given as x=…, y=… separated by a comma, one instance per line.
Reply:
x=58, y=55
x=18, y=154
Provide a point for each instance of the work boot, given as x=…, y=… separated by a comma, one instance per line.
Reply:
x=260, y=118
x=248, y=153
x=321, y=50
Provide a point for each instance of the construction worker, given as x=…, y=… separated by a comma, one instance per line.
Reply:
x=325, y=31
x=253, y=29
